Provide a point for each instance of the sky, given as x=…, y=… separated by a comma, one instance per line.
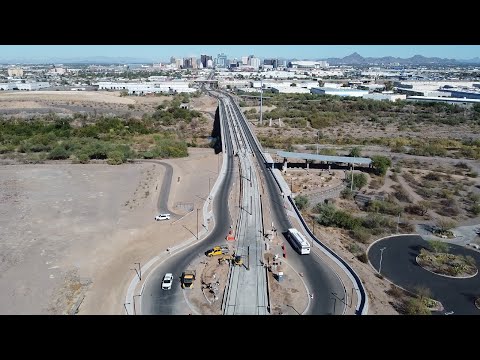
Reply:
x=164, y=52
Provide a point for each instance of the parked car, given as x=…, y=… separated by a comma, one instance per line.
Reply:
x=167, y=281
x=162, y=217
x=475, y=246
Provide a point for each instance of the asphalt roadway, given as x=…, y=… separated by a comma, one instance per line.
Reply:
x=156, y=301
x=319, y=277
x=400, y=267
x=325, y=285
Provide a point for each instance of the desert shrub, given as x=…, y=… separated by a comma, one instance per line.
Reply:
x=115, y=157
x=301, y=202
x=475, y=209
x=59, y=153
x=414, y=306
x=346, y=194
x=361, y=234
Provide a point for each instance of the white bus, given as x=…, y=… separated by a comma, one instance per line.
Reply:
x=298, y=241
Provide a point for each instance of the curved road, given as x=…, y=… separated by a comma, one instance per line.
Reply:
x=400, y=267
x=157, y=301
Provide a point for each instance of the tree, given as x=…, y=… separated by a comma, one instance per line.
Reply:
x=355, y=152
x=301, y=202
x=438, y=246
x=381, y=164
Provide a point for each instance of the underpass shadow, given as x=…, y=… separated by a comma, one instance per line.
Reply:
x=217, y=133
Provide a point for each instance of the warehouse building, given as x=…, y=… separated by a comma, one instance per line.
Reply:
x=343, y=91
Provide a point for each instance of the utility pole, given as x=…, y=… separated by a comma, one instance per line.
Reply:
x=125, y=305
x=398, y=221
x=318, y=139
x=248, y=257
x=208, y=187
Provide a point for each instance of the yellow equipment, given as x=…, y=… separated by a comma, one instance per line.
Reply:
x=188, y=277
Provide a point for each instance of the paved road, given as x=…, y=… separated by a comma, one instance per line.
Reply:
x=154, y=300
x=318, y=276
x=247, y=290
x=400, y=267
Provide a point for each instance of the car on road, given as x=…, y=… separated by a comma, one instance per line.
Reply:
x=167, y=281
x=475, y=246
x=162, y=217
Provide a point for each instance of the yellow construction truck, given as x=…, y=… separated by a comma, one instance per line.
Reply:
x=188, y=277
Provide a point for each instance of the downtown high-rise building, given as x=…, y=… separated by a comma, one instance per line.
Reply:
x=204, y=59
x=221, y=61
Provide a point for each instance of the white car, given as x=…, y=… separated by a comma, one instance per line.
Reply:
x=475, y=246
x=162, y=217
x=167, y=281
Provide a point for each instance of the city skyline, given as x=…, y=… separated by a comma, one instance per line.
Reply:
x=158, y=53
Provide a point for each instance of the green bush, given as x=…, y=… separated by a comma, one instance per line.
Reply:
x=301, y=202
x=59, y=153
x=83, y=158
x=115, y=157
x=381, y=164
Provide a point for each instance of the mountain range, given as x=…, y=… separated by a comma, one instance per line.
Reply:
x=357, y=59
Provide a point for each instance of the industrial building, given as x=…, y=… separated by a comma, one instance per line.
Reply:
x=338, y=91
x=30, y=86
x=307, y=64
x=148, y=88
x=289, y=90
x=448, y=100
x=385, y=96
x=15, y=72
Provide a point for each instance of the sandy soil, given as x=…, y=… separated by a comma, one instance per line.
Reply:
x=73, y=230
x=95, y=96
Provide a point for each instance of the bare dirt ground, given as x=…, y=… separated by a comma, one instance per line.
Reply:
x=73, y=230
x=24, y=104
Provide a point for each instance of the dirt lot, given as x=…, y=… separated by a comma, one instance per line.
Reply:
x=70, y=230
x=24, y=104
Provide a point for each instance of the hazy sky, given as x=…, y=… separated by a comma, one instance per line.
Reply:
x=163, y=52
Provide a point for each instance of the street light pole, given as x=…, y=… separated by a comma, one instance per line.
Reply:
x=125, y=305
x=398, y=221
x=318, y=139
x=381, y=257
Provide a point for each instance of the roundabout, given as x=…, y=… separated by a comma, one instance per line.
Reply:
x=395, y=258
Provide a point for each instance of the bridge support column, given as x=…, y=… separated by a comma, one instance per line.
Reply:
x=308, y=164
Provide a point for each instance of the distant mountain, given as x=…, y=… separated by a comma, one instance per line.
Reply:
x=357, y=59
x=80, y=60
x=475, y=60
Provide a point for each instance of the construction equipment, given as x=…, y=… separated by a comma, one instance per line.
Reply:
x=235, y=259
x=188, y=277
x=217, y=250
